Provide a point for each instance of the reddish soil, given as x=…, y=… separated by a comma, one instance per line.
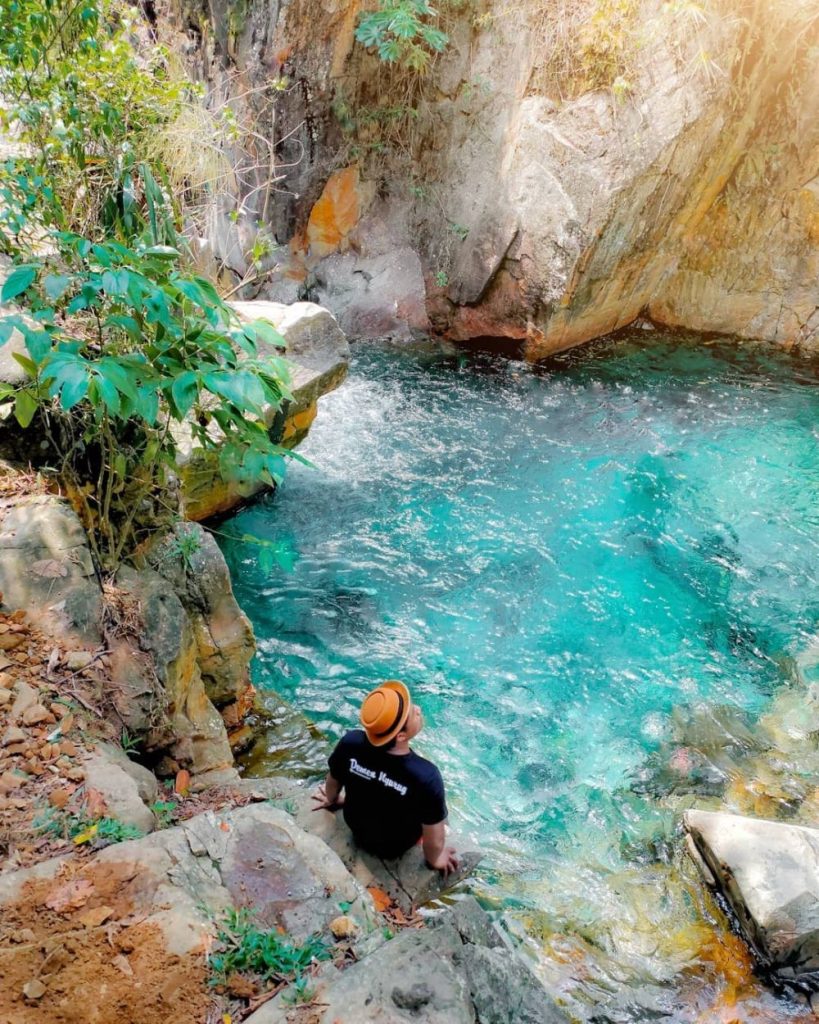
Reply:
x=96, y=962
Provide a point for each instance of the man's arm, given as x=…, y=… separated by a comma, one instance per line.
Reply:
x=438, y=855
x=329, y=796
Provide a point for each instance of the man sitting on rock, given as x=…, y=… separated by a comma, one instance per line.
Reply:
x=392, y=798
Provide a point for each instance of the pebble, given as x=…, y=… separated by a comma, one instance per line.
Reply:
x=10, y=781
x=343, y=927
x=13, y=735
x=6, y=681
x=8, y=641
x=36, y=714
x=59, y=797
x=76, y=660
x=34, y=989
x=25, y=697
x=23, y=935
x=5, y=697
x=75, y=774
x=68, y=748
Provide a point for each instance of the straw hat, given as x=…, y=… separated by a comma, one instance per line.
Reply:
x=385, y=711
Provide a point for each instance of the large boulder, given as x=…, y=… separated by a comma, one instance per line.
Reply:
x=190, y=560
x=543, y=210
x=407, y=881
x=455, y=971
x=319, y=355
x=46, y=567
x=160, y=682
x=769, y=874
x=127, y=789
x=129, y=927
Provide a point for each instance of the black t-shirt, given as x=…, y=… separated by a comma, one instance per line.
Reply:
x=388, y=796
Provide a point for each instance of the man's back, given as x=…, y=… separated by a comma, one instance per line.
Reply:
x=389, y=797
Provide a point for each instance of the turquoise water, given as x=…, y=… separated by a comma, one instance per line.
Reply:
x=553, y=559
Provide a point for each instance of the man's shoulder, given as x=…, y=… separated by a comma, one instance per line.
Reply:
x=353, y=738
x=424, y=768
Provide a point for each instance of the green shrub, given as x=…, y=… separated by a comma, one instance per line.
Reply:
x=81, y=829
x=402, y=32
x=245, y=948
x=126, y=355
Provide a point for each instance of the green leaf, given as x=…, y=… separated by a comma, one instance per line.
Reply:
x=28, y=364
x=120, y=374
x=164, y=252
x=18, y=281
x=108, y=392
x=38, y=344
x=56, y=285
x=184, y=390
x=241, y=387
x=24, y=408
x=267, y=333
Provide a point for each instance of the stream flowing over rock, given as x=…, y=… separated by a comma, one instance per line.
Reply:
x=525, y=208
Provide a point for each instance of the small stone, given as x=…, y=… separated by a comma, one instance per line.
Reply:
x=343, y=927
x=68, y=748
x=13, y=735
x=20, y=747
x=35, y=715
x=5, y=698
x=121, y=964
x=75, y=774
x=9, y=641
x=95, y=916
x=25, y=696
x=34, y=766
x=76, y=660
x=6, y=681
x=23, y=935
x=59, y=797
x=10, y=781
x=34, y=989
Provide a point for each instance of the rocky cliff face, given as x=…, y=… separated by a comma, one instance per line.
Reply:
x=513, y=204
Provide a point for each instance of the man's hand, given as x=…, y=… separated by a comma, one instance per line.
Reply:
x=446, y=861
x=328, y=796
x=438, y=855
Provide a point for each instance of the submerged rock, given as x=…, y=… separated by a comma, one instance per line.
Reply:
x=769, y=874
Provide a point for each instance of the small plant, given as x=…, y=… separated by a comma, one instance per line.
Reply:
x=164, y=812
x=82, y=829
x=243, y=947
x=459, y=230
x=185, y=544
x=128, y=742
x=402, y=32
x=299, y=993
x=442, y=278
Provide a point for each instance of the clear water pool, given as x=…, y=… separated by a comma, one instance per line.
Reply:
x=554, y=559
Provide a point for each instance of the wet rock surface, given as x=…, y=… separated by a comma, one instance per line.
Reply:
x=769, y=873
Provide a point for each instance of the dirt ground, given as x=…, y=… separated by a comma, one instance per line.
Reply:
x=73, y=952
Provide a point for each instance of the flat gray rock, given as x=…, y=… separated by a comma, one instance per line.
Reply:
x=408, y=881
x=457, y=970
x=769, y=873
